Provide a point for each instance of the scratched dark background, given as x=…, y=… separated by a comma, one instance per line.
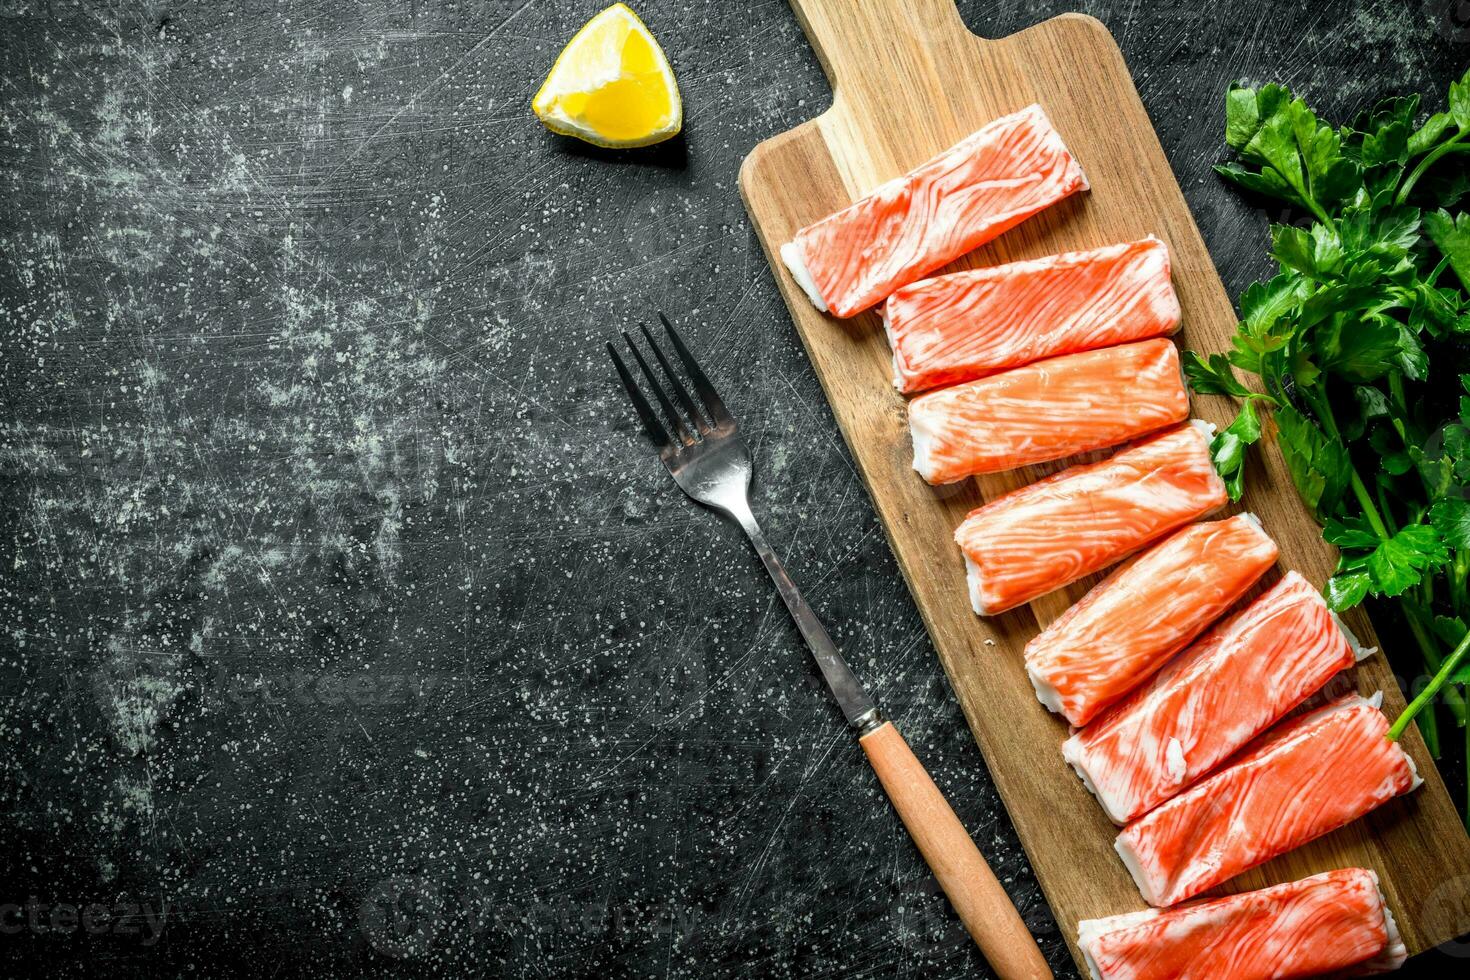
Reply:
x=345, y=622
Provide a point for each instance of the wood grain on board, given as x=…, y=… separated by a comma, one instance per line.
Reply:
x=910, y=80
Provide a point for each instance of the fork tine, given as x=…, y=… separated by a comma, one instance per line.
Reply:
x=645, y=411
x=681, y=431
x=680, y=392
x=712, y=403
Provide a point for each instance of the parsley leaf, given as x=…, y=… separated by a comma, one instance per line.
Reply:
x=1460, y=102
x=1358, y=349
x=1300, y=159
x=1347, y=589
x=1452, y=237
x=1265, y=303
x=1428, y=135
x=1319, y=466
x=1213, y=376
x=1228, y=447
x=1451, y=518
x=1316, y=253
x=1350, y=533
x=1402, y=560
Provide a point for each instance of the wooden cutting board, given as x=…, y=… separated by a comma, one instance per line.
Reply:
x=910, y=80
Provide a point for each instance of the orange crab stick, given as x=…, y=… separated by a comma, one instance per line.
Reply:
x=1047, y=410
x=1331, y=922
x=1083, y=519
x=970, y=324
x=987, y=183
x=1136, y=619
x=1239, y=679
x=1304, y=778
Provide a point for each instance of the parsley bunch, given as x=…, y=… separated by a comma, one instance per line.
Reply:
x=1360, y=351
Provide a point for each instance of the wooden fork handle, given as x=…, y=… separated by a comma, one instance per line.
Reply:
x=967, y=880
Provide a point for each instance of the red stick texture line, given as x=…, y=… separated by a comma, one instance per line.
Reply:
x=1238, y=680
x=1047, y=410
x=1135, y=620
x=1079, y=521
x=1304, y=778
x=968, y=325
x=1337, y=921
x=987, y=183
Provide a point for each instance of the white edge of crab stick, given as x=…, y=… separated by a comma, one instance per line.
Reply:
x=1394, y=952
x=1208, y=428
x=923, y=440
x=1135, y=869
x=975, y=580
x=900, y=376
x=1360, y=652
x=1047, y=694
x=796, y=265
x=1072, y=753
x=1089, y=930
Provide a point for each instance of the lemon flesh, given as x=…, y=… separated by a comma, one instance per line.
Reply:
x=611, y=85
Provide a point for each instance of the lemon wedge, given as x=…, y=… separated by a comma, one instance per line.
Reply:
x=611, y=85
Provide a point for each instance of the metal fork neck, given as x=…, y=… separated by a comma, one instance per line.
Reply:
x=857, y=706
x=868, y=722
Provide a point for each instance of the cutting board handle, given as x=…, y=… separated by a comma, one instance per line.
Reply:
x=872, y=47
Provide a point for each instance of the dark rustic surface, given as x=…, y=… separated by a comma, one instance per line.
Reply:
x=347, y=625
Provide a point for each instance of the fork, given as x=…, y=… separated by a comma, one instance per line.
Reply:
x=701, y=447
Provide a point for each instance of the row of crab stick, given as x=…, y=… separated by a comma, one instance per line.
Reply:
x=1205, y=704
x=1173, y=706
x=1176, y=738
x=1050, y=357
x=1308, y=776
x=1177, y=732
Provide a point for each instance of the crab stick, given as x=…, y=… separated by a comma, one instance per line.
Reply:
x=1136, y=619
x=1336, y=922
x=970, y=324
x=1047, y=410
x=985, y=184
x=1083, y=519
x=1304, y=778
x=1238, y=680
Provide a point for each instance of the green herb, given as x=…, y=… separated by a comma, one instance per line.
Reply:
x=1358, y=355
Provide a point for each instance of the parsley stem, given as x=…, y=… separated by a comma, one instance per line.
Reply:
x=1450, y=665
x=1365, y=501
x=1458, y=572
x=1424, y=636
x=1317, y=399
x=1433, y=278
x=1430, y=158
x=1429, y=730
x=1385, y=510
x=1396, y=389
x=1317, y=210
